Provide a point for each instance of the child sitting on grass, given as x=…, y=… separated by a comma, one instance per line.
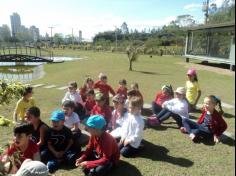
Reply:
x=23, y=104
x=90, y=102
x=88, y=85
x=23, y=145
x=102, y=108
x=39, y=127
x=122, y=89
x=103, y=87
x=177, y=108
x=132, y=129
x=119, y=116
x=165, y=94
x=59, y=142
x=210, y=125
x=102, y=152
x=73, y=95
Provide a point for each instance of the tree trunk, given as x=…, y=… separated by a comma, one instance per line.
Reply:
x=130, y=65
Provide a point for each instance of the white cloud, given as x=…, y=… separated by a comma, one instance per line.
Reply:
x=192, y=6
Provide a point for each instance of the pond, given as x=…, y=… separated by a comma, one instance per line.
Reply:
x=26, y=72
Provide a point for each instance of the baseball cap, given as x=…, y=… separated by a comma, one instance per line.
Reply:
x=32, y=168
x=181, y=90
x=58, y=115
x=191, y=72
x=96, y=121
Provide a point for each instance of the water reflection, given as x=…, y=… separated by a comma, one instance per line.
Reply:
x=26, y=71
x=21, y=73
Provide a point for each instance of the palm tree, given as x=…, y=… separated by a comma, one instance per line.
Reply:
x=132, y=53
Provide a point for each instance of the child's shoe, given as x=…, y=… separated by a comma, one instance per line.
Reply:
x=153, y=121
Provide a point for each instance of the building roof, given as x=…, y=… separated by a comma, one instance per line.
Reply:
x=210, y=26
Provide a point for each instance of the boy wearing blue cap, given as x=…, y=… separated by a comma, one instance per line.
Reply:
x=59, y=142
x=102, y=151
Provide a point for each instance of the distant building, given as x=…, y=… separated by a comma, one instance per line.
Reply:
x=15, y=23
x=34, y=31
x=80, y=36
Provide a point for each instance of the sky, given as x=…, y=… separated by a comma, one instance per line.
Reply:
x=94, y=16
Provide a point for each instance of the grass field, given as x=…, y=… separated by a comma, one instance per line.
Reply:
x=167, y=151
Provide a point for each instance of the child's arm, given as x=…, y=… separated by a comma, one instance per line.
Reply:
x=36, y=157
x=198, y=97
x=137, y=135
x=65, y=97
x=54, y=152
x=75, y=127
x=42, y=132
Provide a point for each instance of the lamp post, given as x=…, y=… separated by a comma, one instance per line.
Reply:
x=205, y=8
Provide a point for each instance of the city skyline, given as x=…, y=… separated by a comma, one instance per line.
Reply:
x=95, y=16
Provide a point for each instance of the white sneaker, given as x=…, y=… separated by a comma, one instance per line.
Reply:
x=192, y=136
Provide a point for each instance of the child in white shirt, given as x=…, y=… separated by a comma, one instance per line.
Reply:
x=132, y=129
x=73, y=95
x=119, y=116
x=176, y=108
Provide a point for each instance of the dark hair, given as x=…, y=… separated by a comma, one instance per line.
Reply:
x=73, y=84
x=135, y=84
x=26, y=128
x=122, y=82
x=86, y=81
x=195, y=78
x=132, y=93
x=217, y=101
x=35, y=111
x=90, y=92
x=27, y=91
x=69, y=104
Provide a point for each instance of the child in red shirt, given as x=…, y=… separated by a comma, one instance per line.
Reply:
x=23, y=144
x=90, y=102
x=102, y=108
x=122, y=89
x=88, y=85
x=165, y=94
x=103, y=87
x=210, y=125
x=102, y=152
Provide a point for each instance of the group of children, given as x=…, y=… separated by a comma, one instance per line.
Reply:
x=210, y=125
x=111, y=132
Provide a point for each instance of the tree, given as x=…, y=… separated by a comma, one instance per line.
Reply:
x=58, y=39
x=184, y=21
x=133, y=52
x=5, y=33
x=124, y=28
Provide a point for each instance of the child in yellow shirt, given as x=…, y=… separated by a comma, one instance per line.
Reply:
x=193, y=90
x=23, y=104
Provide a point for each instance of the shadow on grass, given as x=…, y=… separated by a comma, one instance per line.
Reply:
x=148, y=72
x=223, y=139
x=126, y=169
x=160, y=153
x=218, y=65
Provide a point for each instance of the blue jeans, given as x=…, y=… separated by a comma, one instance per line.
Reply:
x=52, y=162
x=156, y=108
x=197, y=129
x=128, y=151
x=99, y=170
x=166, y=114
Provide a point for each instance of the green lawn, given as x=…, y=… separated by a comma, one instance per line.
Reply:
x=167, y=151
